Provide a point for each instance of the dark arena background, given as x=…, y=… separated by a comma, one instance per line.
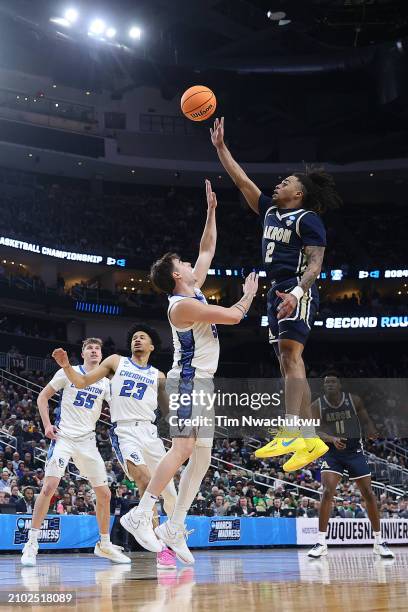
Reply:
x=100, y=175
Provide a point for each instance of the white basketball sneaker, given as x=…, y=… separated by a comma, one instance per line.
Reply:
x=29, y=556
x=140, y=525
x=318, y=550
x=383, y=551
x=175, y=536
x=112, y=552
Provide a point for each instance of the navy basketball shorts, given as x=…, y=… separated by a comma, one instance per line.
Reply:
x=299, y=324
x=350, y=463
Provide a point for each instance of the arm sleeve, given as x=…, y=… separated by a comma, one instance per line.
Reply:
x=263, y=204
x=59, y=380
x=312, y=230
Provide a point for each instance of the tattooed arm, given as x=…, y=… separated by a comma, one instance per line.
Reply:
x=314, y=258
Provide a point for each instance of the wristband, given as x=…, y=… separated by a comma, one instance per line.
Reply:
x=297, y=292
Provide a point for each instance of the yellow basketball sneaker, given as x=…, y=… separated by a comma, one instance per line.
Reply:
x=283, y=443
x=313, y=448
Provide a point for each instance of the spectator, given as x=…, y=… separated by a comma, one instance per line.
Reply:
x=80, y=506
x=26, y=504
x=232, y=498
x=16, y=460
x=110, y=473
x=276, y=509
x=303, y=508
x=243, y=508
x=15, y=495
x=27, y=479
x=4, y=481
x=219, y=507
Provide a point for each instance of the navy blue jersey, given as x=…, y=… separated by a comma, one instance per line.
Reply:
x=341, y=421
x=285, y=235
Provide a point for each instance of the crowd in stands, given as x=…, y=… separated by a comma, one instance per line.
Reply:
x=237, y=484
x=154, y=220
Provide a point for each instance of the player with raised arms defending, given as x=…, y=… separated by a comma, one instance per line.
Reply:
x=196, y=352
x=136, y=389
x=293, y=245
x=73, y=435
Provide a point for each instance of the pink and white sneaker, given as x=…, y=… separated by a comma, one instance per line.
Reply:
x=166, y=559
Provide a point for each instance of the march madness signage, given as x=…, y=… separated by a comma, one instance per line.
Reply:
x=50, y=532
x=352, y=531
x=223, y=530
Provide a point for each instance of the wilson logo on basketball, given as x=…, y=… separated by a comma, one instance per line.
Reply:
x=203, y=112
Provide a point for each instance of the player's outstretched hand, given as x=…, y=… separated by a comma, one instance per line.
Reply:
x=251, y=284
x=61, y=357
x=287, y=305
x=217, y=133
x=211, y=197
x=51, y=432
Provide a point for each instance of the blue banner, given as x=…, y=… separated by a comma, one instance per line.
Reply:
x=57, y=531
x=240, y=531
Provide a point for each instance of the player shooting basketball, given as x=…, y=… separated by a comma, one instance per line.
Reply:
x=293, y=245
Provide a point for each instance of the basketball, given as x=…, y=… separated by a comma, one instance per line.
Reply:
x=198, y=103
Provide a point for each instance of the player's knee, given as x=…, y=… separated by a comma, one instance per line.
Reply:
x=183, y=452
x=329, y=491
x=289, y=359
x=48, y=489
x=103, y=494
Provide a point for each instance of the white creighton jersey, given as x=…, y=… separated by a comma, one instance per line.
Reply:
x=134, y=392
x=196, y=347
x=78, y=409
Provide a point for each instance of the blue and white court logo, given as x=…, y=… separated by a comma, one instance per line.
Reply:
x=225, y=530
x=50, y=532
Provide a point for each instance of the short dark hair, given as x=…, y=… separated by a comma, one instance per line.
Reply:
x=142, y=327
x=161, y=273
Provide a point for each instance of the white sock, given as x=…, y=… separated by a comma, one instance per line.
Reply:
x=291, y=428
x=377, y=537
x=190, y=482
x=34, y=533
x=147, y=502
x=308, y=431
x=105, y=539
x=321, y=538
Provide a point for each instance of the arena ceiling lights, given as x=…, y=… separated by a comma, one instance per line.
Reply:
x=96, y=27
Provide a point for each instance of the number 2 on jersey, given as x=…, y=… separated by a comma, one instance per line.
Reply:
x=128, y=386
x=269, y=252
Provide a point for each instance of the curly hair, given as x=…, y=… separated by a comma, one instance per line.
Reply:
x=319, y=190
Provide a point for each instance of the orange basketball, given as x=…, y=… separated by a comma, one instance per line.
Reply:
x=198, y=103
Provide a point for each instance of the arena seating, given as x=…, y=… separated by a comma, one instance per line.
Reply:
x=236, y=484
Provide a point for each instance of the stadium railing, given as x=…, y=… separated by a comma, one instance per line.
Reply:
x=394, y=474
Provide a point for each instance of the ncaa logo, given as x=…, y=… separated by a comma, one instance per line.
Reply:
x=61, y=462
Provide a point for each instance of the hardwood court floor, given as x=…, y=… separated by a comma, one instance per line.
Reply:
x=221, y=580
